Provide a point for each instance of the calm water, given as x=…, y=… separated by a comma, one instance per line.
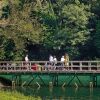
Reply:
x=58, y=93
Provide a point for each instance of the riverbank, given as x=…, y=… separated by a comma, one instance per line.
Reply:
x=14, y=95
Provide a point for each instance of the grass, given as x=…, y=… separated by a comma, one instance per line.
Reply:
x=14, y=95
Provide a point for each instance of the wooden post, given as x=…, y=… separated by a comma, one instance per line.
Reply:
x=50, y=84
x=71, y=65
x=13, y=84
x=91, y=84
x=89, y=66
x=80, y=65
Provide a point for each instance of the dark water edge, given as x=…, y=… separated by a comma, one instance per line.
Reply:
x=59, y=93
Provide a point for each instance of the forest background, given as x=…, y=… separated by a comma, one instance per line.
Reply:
x=43, y=27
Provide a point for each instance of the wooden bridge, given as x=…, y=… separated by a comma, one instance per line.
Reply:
x=18, y=69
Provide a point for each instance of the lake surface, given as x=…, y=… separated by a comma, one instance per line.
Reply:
x=59, y=93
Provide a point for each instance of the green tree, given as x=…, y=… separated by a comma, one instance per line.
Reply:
x=66, y=25
x=45, y=26
x=21, y=28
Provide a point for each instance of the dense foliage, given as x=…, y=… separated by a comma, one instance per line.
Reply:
x=43, y=27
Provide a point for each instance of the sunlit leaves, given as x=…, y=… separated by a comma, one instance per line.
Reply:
x=51, y=24
x=76, y=14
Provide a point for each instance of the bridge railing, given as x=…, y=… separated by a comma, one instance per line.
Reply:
x=22, y=66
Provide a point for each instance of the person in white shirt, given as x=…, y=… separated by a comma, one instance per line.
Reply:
x=55, y=62
x=27, y=62
x=62, y=60
x=26, y=58
x=51, y=60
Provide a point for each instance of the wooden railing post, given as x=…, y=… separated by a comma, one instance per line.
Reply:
x=80, y=65
x=22, y=65
x=89, y=66
x=71, y=63
x=98, y=65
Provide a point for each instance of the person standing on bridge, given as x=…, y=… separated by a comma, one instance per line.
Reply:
x=27, y=62
x=62, y=61
x=55, y=62
x=66, y=57
x=51, y=60
x=26, y=59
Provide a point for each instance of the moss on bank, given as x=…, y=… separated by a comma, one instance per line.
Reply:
x=8, y=95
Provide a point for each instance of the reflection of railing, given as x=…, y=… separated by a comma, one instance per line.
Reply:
x=31, y=66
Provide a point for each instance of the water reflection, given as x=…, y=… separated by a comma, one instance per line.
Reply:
x=60, y=93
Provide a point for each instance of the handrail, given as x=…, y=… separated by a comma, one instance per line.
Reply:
x=47, y=61
x=22, y=66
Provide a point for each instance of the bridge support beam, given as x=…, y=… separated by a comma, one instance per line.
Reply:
x=16, y=79
x=93, y=79
x=75, y=76
x=55, y=80
x=33, y=78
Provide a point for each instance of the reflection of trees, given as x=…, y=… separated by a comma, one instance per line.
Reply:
x=46, y=93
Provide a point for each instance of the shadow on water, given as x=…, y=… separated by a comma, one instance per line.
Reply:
x=5, y=82
x=59, y=93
